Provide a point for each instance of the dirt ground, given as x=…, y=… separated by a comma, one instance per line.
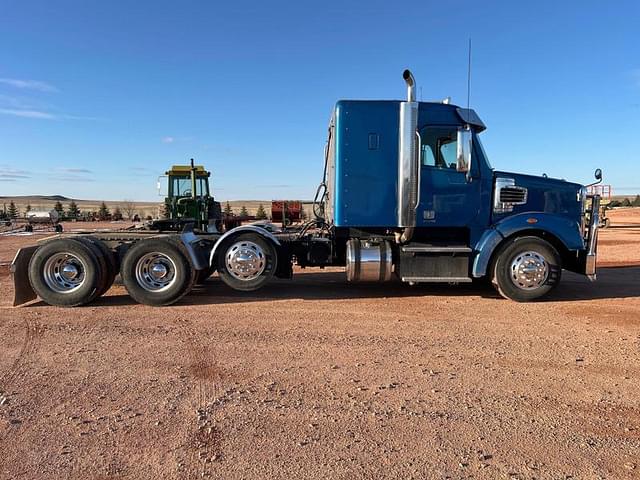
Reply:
x=314, y=378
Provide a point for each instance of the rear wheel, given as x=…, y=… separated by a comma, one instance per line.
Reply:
x=156, y=272
x=526, y=268
x=65, y=273
x=247, y=262
x=103, y=267
x=111, y=264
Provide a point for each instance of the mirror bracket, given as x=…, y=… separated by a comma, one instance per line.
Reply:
x=464, y=149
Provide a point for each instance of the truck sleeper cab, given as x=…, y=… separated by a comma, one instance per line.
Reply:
x=409, y=184
x=408, y=193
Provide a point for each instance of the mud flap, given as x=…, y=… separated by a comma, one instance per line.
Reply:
x=22, y=290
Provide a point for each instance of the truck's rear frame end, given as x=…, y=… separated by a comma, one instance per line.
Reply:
x=22, y=290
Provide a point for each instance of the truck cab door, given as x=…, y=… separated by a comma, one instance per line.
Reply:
x=448, y=198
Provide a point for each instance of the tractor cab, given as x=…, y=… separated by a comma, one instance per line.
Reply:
x=189, y=200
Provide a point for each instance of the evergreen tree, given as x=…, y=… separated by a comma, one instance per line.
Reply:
x=12, y=212
x=227, y=209
x=59, y=208
x=73, y=211
x=625, y=203
x=117, y=214
x=103, y=212
x=243, y=212
x=27, y=209
x=636, y=201
x=166, y=210
x=260, y=213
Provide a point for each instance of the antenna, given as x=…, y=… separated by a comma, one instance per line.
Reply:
x=469, y=77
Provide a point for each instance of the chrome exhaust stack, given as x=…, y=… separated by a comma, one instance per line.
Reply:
x=411, y=85
x=408, y=162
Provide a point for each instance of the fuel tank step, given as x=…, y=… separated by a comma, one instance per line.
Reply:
x=435, y=248
x=436, y=279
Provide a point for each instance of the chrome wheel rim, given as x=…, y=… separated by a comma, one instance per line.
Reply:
x=155, y=272
x=64, y=272
x=245, y=260
x=529, y=270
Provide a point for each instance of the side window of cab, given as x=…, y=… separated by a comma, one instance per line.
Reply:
x=439, y=146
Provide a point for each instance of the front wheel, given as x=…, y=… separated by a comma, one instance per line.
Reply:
x=247, y=262
x=526, y=268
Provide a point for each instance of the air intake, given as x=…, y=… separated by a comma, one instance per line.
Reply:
x=513, y=195
x=507, y=194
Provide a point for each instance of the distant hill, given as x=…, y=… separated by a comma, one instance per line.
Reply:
x=37, y=198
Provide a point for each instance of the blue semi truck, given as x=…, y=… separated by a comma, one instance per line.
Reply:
x=408, y=194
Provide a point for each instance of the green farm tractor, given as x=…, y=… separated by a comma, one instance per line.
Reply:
x=189, y=202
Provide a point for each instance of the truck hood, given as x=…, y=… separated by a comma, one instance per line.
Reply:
x=544, y=194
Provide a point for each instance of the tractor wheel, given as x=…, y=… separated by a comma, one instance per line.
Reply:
x=156, y=272
x=246, y=262
x=526, y=268
x=65, y=272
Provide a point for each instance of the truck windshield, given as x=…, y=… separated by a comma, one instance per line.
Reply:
x=482, y=152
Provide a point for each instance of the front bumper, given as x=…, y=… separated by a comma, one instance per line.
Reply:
x=591, y=238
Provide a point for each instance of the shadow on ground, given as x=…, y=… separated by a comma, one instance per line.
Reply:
x=613, y=282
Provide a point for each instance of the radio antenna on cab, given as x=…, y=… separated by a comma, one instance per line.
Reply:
x=469, y=77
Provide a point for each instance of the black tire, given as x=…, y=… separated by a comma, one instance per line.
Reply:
x=85, y=292
x=182, y=275
x=103, y=268
x=252, y=283
x=28, y=228
x=518, y=252
x=58, y=228
x=111, y=265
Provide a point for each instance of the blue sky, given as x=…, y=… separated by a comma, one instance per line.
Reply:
x=97, y=98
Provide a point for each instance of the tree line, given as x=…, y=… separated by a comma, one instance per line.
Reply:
x=261, y=213
x=625, y=202
x=73, y=212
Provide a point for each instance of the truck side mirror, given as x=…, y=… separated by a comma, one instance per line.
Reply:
x=598, y=174
x=463, y=150
x=162, y=186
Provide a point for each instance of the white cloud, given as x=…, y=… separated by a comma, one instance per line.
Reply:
x=41, y=115
x=29, y=84
x=74, y=170
x=28, y=113
x=9, y=174
x=168, y=139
